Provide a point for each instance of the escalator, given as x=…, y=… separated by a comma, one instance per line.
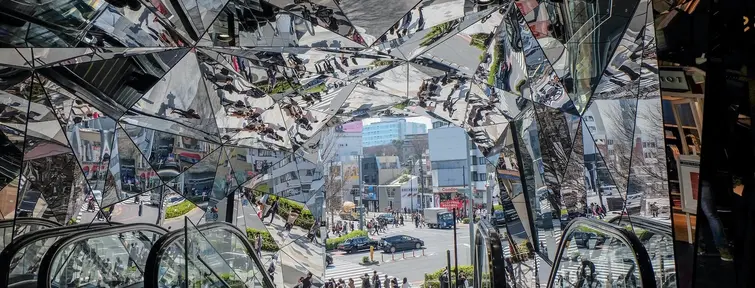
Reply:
x=20, y=259
x=595, y=253
x=15, y=227
x=489, y=263
x=106, y=257
x=215, y=254
x=658, y=240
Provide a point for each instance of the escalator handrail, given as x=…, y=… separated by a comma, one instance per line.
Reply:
x=151, y=271
x=6, y=256
x=655, y=227
x=29, y=221
x=644, y=264
x=45, y=267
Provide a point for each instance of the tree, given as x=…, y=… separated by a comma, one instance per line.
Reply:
x=398, y=145
x=635, y=166
x=334, y=182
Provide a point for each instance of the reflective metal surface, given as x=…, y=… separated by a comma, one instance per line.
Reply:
x=161, y=111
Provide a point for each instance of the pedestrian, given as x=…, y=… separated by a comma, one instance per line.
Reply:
x=386, y=282
x=366, y=281
x=351, y=283
x=307, y=281
x=272, y=210
x=375, y=279
x=405, y=284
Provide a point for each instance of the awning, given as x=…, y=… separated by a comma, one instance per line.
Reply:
x=191, y=155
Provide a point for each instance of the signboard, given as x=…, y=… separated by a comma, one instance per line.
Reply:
x=451, y=204
x=450, y=189
x=689, y=179
x=673, y=80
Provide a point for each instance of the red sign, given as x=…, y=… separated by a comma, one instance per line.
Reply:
x=451, y=204
x=694, y=179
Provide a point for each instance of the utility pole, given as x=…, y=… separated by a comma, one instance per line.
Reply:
x=421, y=182
x=470, y=203
x=359, y=195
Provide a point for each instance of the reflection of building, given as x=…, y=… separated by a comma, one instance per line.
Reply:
x=385, y=132
x=292, y=178
x=454, y=169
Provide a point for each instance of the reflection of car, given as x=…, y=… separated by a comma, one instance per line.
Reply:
x=357, y=244
x=499, y=218
x=387, y=217
x=400, y=242
x=582, y=239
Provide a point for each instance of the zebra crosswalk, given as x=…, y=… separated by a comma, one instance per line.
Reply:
x=347, y=270
x=518, y=59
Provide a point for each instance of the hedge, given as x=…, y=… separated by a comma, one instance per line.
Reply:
x=432, y=280
x=332, y=243
x=179, y=209
x=497, y=207
x=305, y=219
x=268, y=243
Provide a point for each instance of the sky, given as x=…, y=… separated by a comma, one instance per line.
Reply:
x=420, y=119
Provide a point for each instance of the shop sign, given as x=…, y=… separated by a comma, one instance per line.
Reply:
x=449, y=190
x=673, y=80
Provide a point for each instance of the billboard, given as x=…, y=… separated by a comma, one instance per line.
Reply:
x=351, y=127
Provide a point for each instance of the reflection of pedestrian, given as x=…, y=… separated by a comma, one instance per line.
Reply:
x=708, y=207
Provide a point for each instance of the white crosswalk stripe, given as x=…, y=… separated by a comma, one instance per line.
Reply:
x=345, y=270
x=603, y=267
x=519, y=59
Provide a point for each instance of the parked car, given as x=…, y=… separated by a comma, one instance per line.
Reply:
x=400, y=242
x=582, y=239
x=357, y=244
x=499, y=218
x=387, y=217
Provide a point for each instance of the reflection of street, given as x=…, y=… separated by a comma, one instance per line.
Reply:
x=298, y=256
x=128, y=212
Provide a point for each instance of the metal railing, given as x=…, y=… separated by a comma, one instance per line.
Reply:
x=151, y=274
x=7, y=264
x=46, y=268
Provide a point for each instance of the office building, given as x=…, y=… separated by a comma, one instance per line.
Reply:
x=457, y=167
x=387, y=131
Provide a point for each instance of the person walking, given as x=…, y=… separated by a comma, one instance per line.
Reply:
x=405, y=284
x=273, y=210
x=376, y=279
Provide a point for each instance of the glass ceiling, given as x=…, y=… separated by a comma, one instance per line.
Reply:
x=136, y=97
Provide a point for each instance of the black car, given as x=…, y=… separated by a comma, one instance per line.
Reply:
x=400, y=242
x=357, y=244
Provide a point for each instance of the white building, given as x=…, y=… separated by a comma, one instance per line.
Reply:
x=456, y=164
x=293, y=178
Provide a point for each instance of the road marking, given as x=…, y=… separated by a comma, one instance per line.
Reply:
x=239, y=217
x=465, y=244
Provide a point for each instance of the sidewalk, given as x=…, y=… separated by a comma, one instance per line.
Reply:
x=299, y=254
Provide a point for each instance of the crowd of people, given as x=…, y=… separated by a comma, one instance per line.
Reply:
x=369, y=281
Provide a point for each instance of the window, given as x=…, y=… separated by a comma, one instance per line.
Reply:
x=474, y=160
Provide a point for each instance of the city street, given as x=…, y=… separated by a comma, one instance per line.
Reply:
x=128, y=212
x=413, y=267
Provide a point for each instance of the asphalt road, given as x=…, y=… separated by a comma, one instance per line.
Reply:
x=437, y=242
